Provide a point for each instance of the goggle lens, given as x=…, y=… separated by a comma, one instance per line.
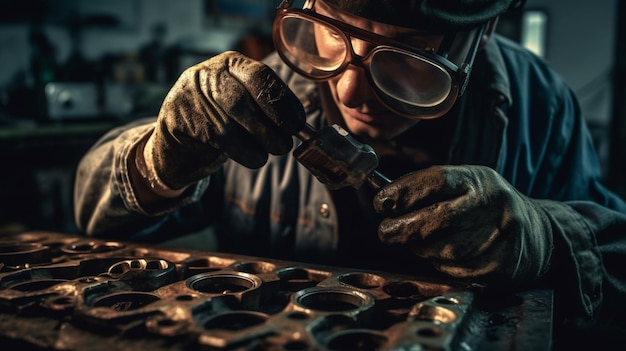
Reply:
x=415, y=83
x=304, y=53
x=411, y=79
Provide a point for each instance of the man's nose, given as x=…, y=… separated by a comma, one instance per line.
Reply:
x=353, y=87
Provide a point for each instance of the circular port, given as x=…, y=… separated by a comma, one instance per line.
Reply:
x=222, y=283
x=141, y=264
x=332, y=299
x=403, y=290
x=357, y=340
x=432, y=313
x=21, y=254
x=88, y=247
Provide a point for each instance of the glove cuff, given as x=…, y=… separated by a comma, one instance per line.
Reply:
x=540, y=239
x=180, y=160
x=145, y=166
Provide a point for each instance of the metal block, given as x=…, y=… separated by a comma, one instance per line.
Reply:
x=65, y=292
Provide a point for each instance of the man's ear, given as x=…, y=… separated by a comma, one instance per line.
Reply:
x=489, y=29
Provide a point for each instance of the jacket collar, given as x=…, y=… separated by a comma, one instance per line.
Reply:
x=482, y=112
x=494, y=71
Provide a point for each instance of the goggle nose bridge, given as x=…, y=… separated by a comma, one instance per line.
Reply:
x=355, y=58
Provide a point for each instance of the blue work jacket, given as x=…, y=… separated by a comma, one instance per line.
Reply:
x=517, y=116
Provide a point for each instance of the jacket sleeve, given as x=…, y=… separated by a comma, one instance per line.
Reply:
x=105, y=204
x=590, y=233
x=590, y=236
x=550, y=155
x=602, y=279
x=589, y=246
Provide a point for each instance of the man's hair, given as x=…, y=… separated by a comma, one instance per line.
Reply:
x=437, y=15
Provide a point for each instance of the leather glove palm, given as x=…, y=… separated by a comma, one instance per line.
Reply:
x=227, y=106
x=470, y=222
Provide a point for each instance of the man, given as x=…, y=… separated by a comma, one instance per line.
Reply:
x=494, y=178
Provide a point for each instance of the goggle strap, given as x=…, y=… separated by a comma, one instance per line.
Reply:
x=466, y=66
x=446, y=44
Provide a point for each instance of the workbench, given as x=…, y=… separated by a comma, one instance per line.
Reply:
x=69, y=292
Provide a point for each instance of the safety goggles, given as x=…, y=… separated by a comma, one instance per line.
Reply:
x=414, y=82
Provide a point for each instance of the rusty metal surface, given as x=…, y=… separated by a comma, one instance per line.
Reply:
x=62, y=292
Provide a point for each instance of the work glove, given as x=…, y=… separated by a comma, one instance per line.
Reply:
x=469, y=222
x=227, y=106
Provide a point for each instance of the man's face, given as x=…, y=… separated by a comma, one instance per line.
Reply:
x=351, y=91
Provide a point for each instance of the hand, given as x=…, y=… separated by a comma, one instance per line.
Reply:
x=470, y=222
x=227, y=106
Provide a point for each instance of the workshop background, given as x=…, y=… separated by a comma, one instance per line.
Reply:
x=73, y=69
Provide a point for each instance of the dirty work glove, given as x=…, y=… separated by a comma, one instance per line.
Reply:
x=470, y=222
x=227, y=106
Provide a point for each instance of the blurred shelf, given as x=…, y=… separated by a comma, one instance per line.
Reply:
x=48, y=138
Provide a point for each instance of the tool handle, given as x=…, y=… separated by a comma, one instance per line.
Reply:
x=377, y=180
x=337, y=159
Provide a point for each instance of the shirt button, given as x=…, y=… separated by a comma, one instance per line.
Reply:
x=325, y=210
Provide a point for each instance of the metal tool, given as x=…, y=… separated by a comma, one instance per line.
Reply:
x=337, y=159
